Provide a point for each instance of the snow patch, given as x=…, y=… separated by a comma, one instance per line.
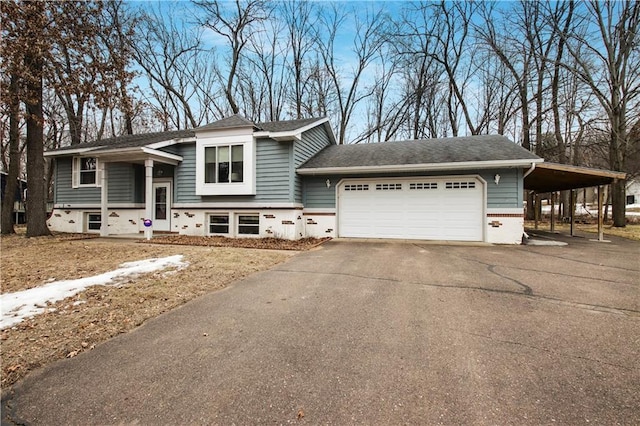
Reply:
x=15, y=307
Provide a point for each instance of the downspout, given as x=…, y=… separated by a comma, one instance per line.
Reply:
x=528, y=172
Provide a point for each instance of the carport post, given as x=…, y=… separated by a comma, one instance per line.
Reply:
x=536, y=210
x=600, y=214
x=552, y=226
x=572, y=207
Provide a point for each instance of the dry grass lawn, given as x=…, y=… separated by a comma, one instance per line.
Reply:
x=79, y=323
x=631, y=231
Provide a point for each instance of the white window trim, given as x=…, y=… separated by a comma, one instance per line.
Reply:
x=220, y=138
x=229, y=223
x=86, y=224
x=237, y=224
x=234, y=223
x=75, y=173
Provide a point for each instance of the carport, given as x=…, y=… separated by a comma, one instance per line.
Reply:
x=553, y=177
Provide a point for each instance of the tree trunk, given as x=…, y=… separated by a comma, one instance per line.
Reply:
x=14, y=158
x=618, y=202
x=36, y=194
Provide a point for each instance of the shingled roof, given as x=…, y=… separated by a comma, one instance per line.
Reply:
x=232, y=122
x=415, y=152
x=287, y=125
x=144, y=139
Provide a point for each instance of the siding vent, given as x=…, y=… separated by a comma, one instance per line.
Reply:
x=388, y=186
x=460, y=185
x=423, y=185
x=358, y=187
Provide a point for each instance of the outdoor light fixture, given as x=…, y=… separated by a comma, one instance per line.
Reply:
x=328, y=182
x=496, y=178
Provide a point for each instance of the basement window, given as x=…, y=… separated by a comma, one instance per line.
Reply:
x=248, y=224
x=94, y=222
x=219, y=224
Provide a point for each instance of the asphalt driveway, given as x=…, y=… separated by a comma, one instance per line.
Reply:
x=375, y=333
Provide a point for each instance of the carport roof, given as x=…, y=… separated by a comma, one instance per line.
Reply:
x=549, y=177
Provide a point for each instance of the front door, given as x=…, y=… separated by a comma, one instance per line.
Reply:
x=162, y=206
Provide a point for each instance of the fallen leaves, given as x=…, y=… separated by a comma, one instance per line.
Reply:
x=255, y=243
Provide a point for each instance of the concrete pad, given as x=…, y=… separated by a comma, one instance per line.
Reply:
x=375, y=333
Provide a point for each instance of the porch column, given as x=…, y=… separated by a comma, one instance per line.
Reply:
x=148, y=196
x=104, y=199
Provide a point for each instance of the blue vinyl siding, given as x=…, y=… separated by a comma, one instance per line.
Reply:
x=273, y=171
x=313, y=141
x=122, y=182
x=273, y=175
x=185, y=175
x=507, y=194
x=316, y=194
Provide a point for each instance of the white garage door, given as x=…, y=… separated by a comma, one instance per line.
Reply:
x=416, y=208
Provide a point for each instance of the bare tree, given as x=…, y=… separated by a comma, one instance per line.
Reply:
x=235, y=24
x=607, y=59
x=300, y=21
x=368, y=39
x=265, y=64
x=515, y=54
x=169, y=53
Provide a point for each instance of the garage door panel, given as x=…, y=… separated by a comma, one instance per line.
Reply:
x=422, y=208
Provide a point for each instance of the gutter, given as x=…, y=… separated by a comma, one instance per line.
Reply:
x=463, y=165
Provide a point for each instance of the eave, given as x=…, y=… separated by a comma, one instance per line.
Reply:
x=136, y=155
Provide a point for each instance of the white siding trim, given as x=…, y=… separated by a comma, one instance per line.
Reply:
x=97, y=206
x=223, y=205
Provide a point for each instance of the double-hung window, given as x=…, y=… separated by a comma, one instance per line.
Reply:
x=223, y=164
x=85, y=172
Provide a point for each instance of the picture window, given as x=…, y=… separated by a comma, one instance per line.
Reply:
x=223, y=164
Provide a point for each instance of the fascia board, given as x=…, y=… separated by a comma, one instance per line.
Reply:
x=70, y=151
x=464, y=165
x=295, y=134
x=163, y=144
x=162, y=154
x=138, y=153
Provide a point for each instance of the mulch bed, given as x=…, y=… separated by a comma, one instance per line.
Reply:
x=253, y=243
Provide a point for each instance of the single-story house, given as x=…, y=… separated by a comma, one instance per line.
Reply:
x=289, y=179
